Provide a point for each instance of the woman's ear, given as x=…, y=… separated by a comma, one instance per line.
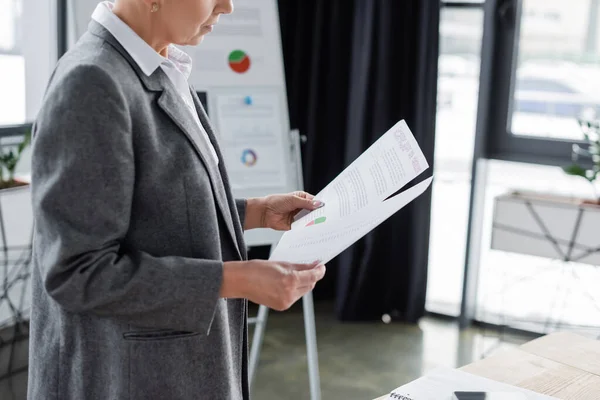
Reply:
x=151, y=5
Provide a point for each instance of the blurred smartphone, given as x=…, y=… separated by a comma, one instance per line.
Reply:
x=488, y=396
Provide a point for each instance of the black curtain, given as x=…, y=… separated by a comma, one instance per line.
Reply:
x=353, y=69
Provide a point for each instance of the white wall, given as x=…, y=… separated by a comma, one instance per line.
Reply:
x=39, y=49
x=39, y=55
x=80, y=12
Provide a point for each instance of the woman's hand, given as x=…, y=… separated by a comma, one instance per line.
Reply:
x=276, y=285
x=278, y=211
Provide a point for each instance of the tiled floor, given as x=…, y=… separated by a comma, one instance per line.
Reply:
x=363, y=360
x=357, y=361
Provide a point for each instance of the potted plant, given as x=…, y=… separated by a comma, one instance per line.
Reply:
x=553, y=226
x=9, y=159
x=16, y=223
x=588, y=171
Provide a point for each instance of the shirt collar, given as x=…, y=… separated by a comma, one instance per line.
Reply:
x=142, y=53
x=182, y=60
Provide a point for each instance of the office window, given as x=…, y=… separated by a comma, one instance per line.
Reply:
x=458, y=87
x=536, y=53
x=12, y=63
x=557, y=73
x=27, y=57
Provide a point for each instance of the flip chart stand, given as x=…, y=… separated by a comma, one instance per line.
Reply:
x=308, y=310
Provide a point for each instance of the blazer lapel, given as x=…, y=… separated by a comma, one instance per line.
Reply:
x=237, y=224
x=171, y=103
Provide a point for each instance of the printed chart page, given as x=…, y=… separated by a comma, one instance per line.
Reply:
x=357, y=200
x=389, y=164
x=250, y=128
x=441, y=384
x=323, y=242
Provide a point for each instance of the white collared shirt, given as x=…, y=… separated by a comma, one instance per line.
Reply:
x=178, y=65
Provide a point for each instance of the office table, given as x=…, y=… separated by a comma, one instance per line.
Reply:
x=562, y=365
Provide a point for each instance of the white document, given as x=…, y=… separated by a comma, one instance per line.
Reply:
x=324, y=241
x=250, y=125
x=355, y=202
x=383, y=169
x=243, y=51
x=441, y=384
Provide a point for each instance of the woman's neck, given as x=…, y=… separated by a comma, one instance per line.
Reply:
x=141, y=21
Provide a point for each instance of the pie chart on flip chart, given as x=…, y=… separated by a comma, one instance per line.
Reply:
x=249, y=158
x=239, y=61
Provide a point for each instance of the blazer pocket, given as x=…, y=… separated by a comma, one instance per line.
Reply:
x=170, y=365
x=160, y=334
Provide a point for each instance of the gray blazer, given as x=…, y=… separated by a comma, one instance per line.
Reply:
x=133, y=220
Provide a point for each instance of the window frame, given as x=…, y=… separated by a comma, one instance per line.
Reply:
x=15, y=130
x=493, y=140
x=501, y=38
x=61, y=48
x=463, y=4
x=466, y=316
x=12, y=52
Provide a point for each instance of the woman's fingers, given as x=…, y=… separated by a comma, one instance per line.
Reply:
x=304, y=195
x=310, y=276
x=279, y=285
x=303, y=267
x=301, y=203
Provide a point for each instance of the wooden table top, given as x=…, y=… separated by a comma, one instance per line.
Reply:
x=562, y=365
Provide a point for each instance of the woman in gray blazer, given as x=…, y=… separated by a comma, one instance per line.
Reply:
x=140, y=276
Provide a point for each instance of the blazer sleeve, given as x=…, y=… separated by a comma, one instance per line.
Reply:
x=240, y=205
x=83, y=177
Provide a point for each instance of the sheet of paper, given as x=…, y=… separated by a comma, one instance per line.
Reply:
x=389, y=164
x=441, y=383
x=324, y=241
x=251, y=129
x=243, y=51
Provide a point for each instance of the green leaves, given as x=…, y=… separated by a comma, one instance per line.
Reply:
x=26, y=142
x=10, y=159
x=590, y=152
x=577, y=170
